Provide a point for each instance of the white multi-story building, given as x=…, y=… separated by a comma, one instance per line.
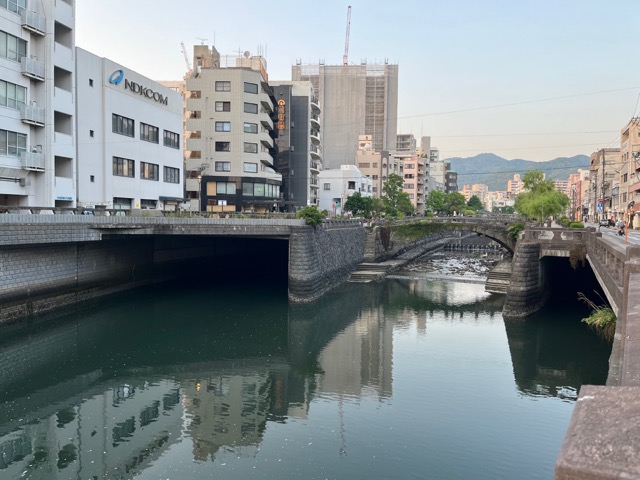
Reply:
x=336, y=185
x=37, y=124
x=229, y=162
x=129, y=138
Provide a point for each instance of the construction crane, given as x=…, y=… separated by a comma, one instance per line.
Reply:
x=345, y=57
x=186, y=57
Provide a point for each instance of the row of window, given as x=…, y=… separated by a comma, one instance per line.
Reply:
x=226, y=127
x=250, y=189
x=125, y=167
x=226, y=147
x=12, y=48
x=248, y=167
x=225, y=86
x=126, y=126
x=226, y=107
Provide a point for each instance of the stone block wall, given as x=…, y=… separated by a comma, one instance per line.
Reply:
x=321, y=258
x=525, y=292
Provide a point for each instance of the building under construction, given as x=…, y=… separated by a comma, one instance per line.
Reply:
x=355, y=100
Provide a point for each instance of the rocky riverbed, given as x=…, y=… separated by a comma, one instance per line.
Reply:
x=453, y=265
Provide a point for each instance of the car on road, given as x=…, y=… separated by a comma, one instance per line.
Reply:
x=605, y=222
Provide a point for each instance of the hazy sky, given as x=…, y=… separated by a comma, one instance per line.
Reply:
x=530, y=79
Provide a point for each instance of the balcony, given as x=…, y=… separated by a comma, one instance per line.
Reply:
x=315, y=137
x=32, y=68
x=266, y=120
x=195, y=144
x=32, y=161
x=315, y=124
x=266, y=140
x=64, y=188
x=315, y=108
x=266, y=159
x=265, y=101
x=314, y=166
x=32, y=115
x=33, y=22
x=315, y=152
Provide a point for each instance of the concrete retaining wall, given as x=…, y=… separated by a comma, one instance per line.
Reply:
x=525, y=292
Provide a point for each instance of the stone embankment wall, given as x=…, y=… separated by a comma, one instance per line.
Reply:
x=525, y=293
x=323, y=257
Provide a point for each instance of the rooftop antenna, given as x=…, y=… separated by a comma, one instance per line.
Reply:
x=345, y=57
x=202, y=40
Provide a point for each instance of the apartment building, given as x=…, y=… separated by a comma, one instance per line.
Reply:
x=375, y=165
x=355, y=100
x=629, y=174
x=230, y=145
x=298, y=140
x=130, y=137
x=37, y=91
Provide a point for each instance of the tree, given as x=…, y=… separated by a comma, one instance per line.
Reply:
x=541, y=200
x=394, y=199
x=474, y=203
x=436, y=202
x=359, y=205
x=455, y=202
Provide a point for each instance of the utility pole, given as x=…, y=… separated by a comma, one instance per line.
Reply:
x=603, y=175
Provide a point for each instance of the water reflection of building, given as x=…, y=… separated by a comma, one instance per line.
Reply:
x=113, y=433
x=230, y=408
x=358, y=361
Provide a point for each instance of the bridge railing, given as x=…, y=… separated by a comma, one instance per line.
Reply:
x=555, y=235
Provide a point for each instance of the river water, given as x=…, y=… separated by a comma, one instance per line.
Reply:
x=413, y=377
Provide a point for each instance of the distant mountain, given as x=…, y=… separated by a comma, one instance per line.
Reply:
x=495, y=171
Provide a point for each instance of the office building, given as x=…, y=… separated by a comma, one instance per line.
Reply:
x=230, y=146
x=354, y=100
x=130, y=138
x=338, y=184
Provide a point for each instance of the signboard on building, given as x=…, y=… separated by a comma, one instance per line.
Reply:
x=281, y=114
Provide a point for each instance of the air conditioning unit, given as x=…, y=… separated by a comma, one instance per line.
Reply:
x=24, y=182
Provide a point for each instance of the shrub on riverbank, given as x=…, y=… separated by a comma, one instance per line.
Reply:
x=602, y=318
x=576, y=225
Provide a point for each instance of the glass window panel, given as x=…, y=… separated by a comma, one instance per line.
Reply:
x=11, y=95
x=21, y=97
x=3, y=93
x=3, y=45
x=12, y=47
x=258, y=189
x=247, y=188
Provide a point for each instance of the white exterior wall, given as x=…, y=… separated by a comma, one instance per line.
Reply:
x=47, y=179
x=95, y=107
x=334, y=184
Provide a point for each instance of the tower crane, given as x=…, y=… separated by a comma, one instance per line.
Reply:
x=345, y=57
x=186, y=57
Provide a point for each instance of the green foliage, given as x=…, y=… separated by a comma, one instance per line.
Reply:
x=415, y=230
x=541, y=200
x=514, y=230
x=312, y=215
x=455, y=201
x=394, y=200
x=468, y=212
x=564, y=221
x=602, y=318
x=576, y=225
x=474, y=203
x=436, y=202
x=505, y=209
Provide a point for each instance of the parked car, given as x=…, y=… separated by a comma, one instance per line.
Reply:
x=606, y=222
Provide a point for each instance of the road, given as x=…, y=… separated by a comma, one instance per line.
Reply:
x=633, y=237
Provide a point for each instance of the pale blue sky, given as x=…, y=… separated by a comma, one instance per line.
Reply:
x=531, y=79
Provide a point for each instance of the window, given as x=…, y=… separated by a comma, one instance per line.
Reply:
x=122, y=125
x=91, y=133
x=223, y=146
x=411, y=196
x=149, y=133
x=149, y=171
x=250, y=127
x=12, y=48
x=250, y=87
x=223, y=166
x=258, y=189
x=364, y=165
x=223, y=86
x=225, y=188
x=92, y=178
x=410, y=165
x=327, y=186
x=624, y=178
x=250, y=167
x=121, y=203
x=171, y=139
x=12, y=144
x=12, y=95
x=408, y=185
x=146, y=204
x=250, y=107
x=375, y=164
x=91, y=82
x=123, y=167
x=351, y=185
x=171, y=175
x=375, y=177
x=223, y=106
x=15, y=6
x=223, y=126
x=250, y=147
